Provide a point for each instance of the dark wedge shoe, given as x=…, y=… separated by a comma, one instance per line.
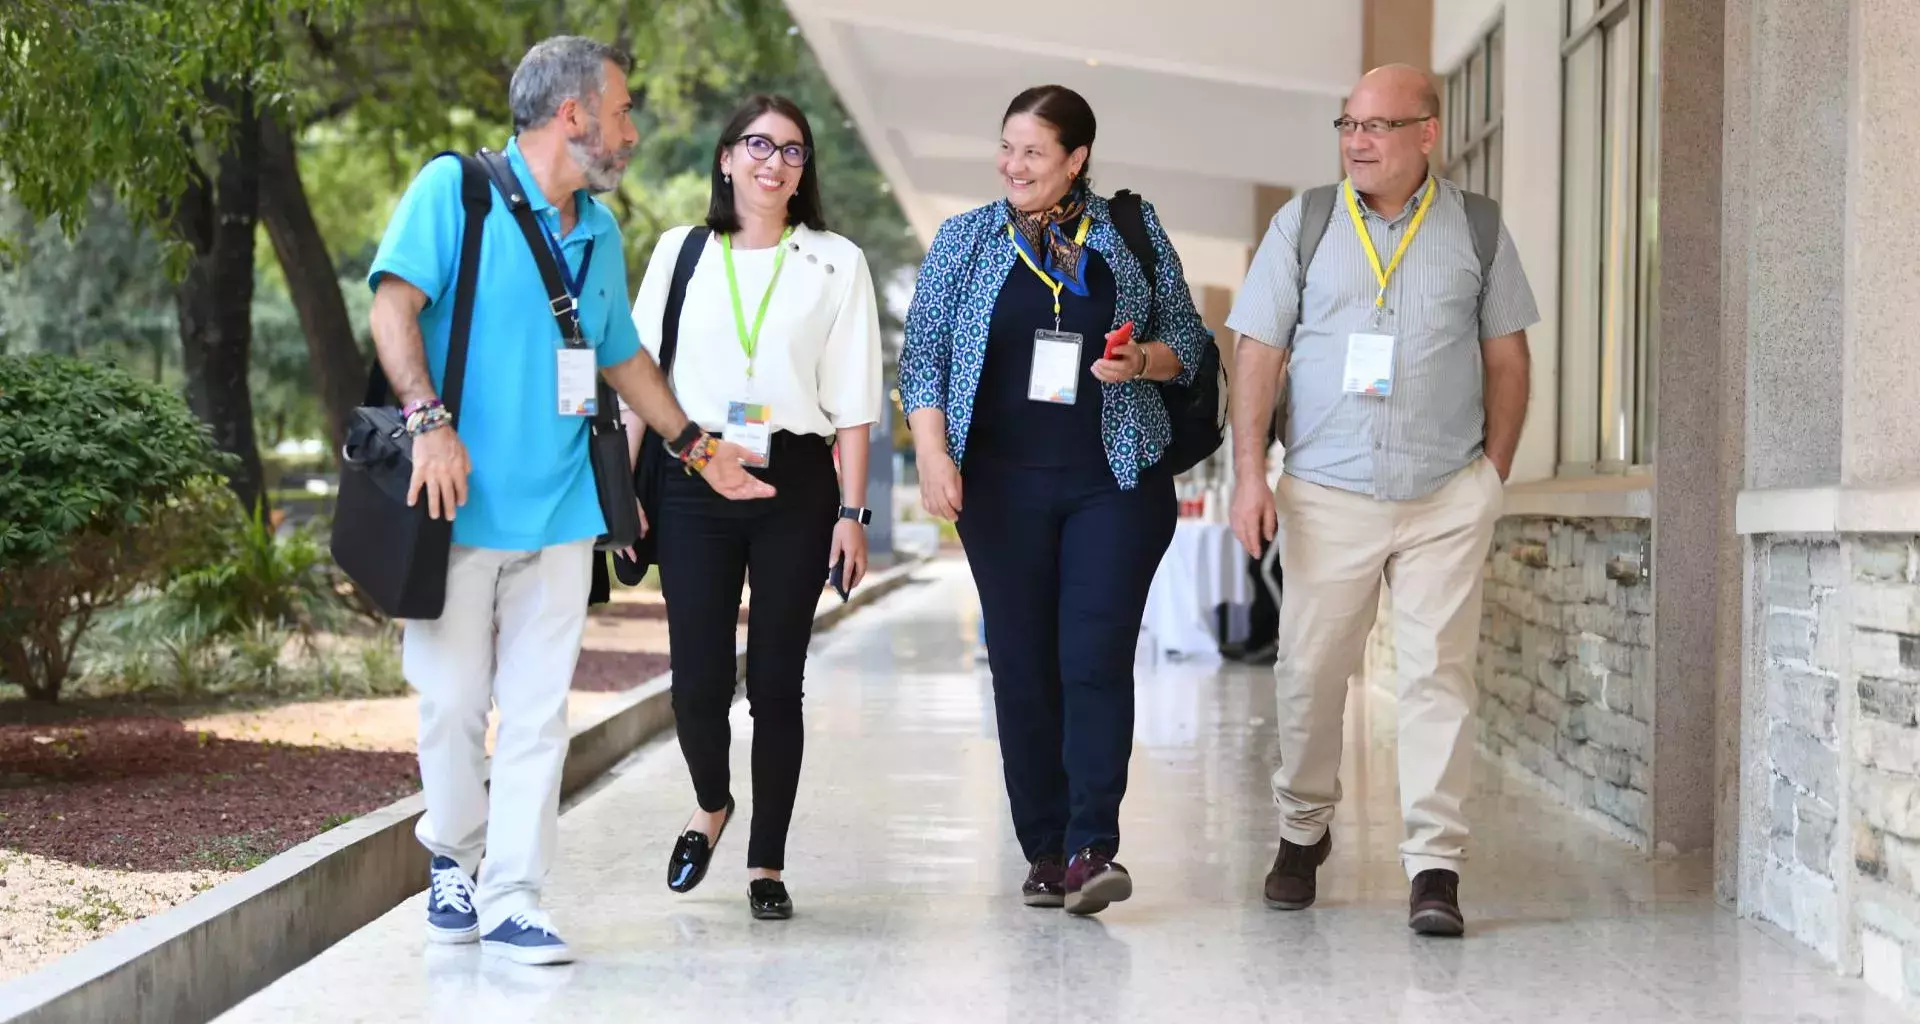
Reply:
x=768, y=899
x=692, y=853
x=1293, y=884
x=1046, y=884
x=1434, y=906
x=1094, y=882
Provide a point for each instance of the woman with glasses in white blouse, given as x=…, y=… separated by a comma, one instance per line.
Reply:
x=778, y=350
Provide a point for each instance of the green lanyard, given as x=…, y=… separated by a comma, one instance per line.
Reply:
x=750, y=342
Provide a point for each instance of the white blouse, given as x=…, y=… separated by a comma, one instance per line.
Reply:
x=817, y=363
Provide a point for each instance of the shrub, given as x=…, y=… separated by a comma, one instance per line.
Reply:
x=107, y=485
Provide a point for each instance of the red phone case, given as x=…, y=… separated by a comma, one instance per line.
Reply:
x=1118, y=337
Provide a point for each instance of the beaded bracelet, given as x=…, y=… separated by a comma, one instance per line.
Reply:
x=700, y=454
x=418, y=405
x=428, y=419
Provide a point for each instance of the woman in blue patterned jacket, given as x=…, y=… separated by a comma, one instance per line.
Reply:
x=1042, y=442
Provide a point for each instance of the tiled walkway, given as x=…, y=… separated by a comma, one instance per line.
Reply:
x=905, y=875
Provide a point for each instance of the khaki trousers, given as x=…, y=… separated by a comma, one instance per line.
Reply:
x=1337, y=547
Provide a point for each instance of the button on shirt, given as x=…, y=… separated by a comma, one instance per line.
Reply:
x=531, y=486
x=1408, y=444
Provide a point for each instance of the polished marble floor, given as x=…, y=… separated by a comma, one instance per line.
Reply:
x=905, y=874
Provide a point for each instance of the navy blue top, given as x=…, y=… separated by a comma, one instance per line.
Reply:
x=1009, y=427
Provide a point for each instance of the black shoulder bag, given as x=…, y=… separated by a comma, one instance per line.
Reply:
x=1198, y=410
x=653, y=455
x=394, y=553
x=607, y=443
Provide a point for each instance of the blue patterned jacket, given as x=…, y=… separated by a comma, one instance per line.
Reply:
x=960, y=280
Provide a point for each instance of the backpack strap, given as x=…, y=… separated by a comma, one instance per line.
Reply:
x=1316, y=210
x=476, y=199
x=1483, y=217
x=1131, y=221
x=683, y=268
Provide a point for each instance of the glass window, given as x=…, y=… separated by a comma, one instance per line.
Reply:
x=1607, y=305
x=1473, y=104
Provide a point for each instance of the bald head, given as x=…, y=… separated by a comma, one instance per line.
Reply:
x=1395, y=117
x=1402, y=85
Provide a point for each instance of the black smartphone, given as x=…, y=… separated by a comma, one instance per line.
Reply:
x=837, y=576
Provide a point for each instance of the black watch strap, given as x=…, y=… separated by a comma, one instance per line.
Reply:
x=677, y=447
x=863, y=516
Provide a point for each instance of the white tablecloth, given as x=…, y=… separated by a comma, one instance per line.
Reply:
x=1204, y=568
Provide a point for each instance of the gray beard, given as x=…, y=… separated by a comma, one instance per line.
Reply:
x=602, y=168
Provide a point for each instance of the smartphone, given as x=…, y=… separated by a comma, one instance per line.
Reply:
x=1118, y=337
x=838, y=578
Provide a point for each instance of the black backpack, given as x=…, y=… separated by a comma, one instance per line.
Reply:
x=1198, y=411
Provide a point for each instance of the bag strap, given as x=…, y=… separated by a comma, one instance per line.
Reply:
x=683, y=268
x=1316, y=210
x=560, y=302
x=1483, y=217
x=1131, y=221
x=476, y=199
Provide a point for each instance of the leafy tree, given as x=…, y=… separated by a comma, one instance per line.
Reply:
x=160, y=102
x=109, y=486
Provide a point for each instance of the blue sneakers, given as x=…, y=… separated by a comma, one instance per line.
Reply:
x=450, y=915
x=527, y=938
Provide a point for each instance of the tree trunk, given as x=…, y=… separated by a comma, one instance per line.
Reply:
x=339, y=372
x=215, y=302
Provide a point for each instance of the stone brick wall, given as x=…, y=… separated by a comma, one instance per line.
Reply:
x=1803, y=632
x=1885, y=762
x=1566, y=664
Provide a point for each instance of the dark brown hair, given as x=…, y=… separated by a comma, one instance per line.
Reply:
x=1067, y=111
x=804, y=207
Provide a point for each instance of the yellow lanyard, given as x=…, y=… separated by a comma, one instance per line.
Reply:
x=1366, y=241
x=1079, y=238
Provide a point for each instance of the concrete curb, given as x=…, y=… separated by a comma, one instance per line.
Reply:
x=200, y=959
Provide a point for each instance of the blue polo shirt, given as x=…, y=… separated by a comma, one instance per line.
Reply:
x=532, y=486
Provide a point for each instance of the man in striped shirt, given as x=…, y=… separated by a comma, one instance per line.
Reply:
x=1407, y=370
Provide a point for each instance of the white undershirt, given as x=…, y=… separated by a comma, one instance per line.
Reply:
x=817, y=363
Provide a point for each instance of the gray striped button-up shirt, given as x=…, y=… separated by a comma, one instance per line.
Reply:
x=1438, y=310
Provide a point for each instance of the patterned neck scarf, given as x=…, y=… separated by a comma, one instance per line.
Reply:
x=1049, y=233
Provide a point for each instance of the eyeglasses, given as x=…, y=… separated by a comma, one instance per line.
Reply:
x=1375, y=126
x=759, y=147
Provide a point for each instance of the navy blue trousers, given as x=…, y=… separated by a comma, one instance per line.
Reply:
x=1063, y=559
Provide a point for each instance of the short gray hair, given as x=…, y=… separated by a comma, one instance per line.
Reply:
x=557, y=70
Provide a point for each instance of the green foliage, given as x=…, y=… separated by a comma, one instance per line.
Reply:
x=109, y=486
x=259, y=581
x=116, y=95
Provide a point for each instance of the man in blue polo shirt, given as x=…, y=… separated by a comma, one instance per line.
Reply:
x=517, y=474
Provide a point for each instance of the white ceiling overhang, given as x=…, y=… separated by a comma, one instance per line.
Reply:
x=1199, y=102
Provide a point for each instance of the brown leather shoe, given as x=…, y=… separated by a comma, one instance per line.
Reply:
x=1095, y=882
x=1046, y=884
x=1434, y=908
x=1293, y=884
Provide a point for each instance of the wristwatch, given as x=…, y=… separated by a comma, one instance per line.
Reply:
x=863, y=516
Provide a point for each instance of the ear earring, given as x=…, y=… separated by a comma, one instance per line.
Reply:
x=728, y=178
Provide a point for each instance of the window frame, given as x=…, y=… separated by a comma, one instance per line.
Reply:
x=1470, y=152
x=1614, y=381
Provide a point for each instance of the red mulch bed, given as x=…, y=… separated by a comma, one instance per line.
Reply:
x=146, y=794
x=611, y=671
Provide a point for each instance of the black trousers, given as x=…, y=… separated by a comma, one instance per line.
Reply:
x=1263, y=618
x=1063, y=560
x=708, y=547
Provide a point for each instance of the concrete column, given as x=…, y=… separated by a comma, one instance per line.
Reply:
x=1693, y=493
x=1800, y=56
x=1267, y=201
x=1396, y=32
x=1881, y=443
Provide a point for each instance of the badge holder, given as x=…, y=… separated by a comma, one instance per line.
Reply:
x=1369, y=366
x=1055, y=377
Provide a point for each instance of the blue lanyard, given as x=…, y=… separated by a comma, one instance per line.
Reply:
x=574, y=281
